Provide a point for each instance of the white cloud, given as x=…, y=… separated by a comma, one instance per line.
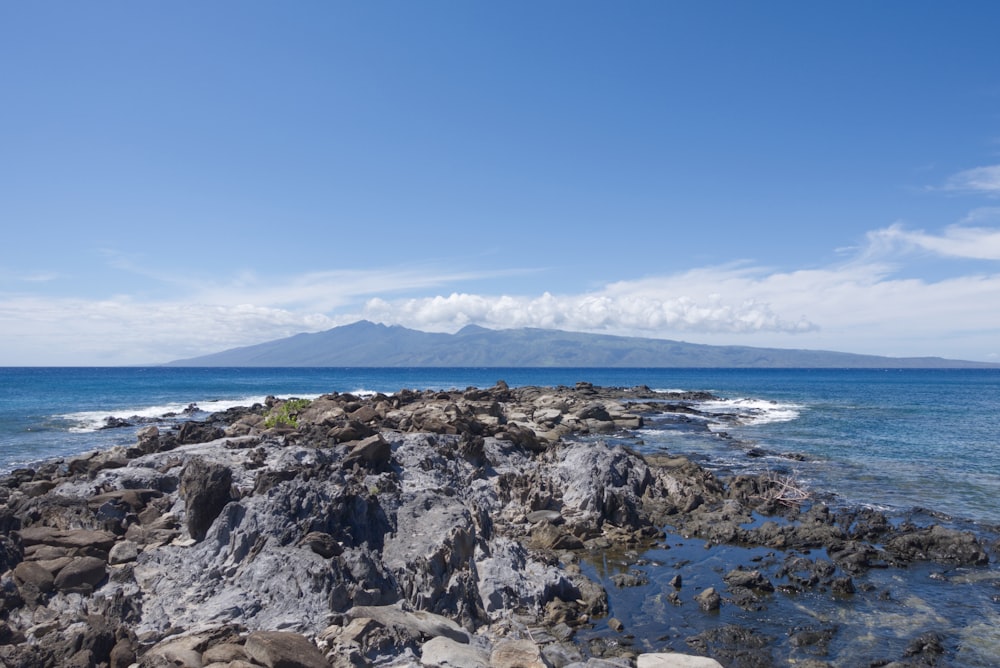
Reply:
x=957, y=241
x=620, y=308
x=980, y=180
x=863, y=305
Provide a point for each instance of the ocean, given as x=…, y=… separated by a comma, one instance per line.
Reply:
x=893, y=439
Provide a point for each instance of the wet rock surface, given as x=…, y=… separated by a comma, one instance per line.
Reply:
x=424, y=528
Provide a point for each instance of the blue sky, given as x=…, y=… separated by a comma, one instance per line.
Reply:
x=181, y=178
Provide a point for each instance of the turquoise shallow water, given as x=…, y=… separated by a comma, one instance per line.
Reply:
x=890, y=438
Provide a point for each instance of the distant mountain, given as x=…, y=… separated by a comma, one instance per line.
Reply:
x=366, y=344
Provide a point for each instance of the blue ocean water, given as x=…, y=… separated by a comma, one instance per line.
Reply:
x=895, y=439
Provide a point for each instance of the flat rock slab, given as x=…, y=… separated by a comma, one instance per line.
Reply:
x=670, y=660
x=69, y=538
x=442, y=652
x=281, y=649
x=416, y=624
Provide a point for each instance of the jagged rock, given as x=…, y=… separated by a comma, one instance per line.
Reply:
x=373, y=453
x=938, y=543
x=205, y=488
x=281, y=649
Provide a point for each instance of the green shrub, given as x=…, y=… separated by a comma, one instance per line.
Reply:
x=286, y=414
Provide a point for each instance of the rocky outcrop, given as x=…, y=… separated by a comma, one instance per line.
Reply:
x=437, y=528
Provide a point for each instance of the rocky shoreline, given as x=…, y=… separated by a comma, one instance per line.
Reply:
x=421, y=528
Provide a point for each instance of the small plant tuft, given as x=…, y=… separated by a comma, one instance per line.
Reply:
x=286, y=414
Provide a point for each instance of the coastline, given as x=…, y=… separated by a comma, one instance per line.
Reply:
x=392, y=528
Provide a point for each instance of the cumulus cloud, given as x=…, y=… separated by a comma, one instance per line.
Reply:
x=869, y=303
x=623, y=308
x=980, y=180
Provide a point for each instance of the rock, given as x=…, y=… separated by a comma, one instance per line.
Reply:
x=123, y=552
x=373, y=453
x=939, y=543
x=749, y=580
x=509, y=653
x=30, y=574
x=122, y=654
x=172, y=652
x=709, y=600
x=281, y=649
x=442, y=652
x=616, y=625
x=547, y=536
x=322, y=544
x=416, y=624
x=224, y=653
x=68, y=538
x=205, y=488
x=81, y=574
x=662, y=660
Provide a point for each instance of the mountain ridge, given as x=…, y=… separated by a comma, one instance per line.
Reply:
x=368, y=344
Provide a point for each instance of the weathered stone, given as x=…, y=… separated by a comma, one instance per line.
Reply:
x=442, y=652
x=224, y=653
x=83, y=573
x=322, y=544
x=373, y=452
x=510, y=653
x=281, y=649
x=31, y=574
x=664, y=660
x=709, y=600
x=67, y=538
x=205, y=488
x=123, y=552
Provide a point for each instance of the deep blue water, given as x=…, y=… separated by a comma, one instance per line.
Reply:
x=891, y=438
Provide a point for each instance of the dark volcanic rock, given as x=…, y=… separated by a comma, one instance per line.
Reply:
x=205, y=488
x=938, y=543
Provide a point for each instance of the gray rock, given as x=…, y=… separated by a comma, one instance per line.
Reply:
x=442, y=652
x=123, y=552
x=669, y=660
x=709, y=600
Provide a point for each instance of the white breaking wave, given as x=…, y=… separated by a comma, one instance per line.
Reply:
x=752, y=411
x=89, y=421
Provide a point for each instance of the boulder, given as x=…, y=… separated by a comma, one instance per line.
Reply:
x=709, y=600
x=442, y=652
x=205, y=488
x=31, y=574
x=282, y=649
x=81, y=574
x=668, y=660
x=373, y=453
x=511, y=653
x=68, y=538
